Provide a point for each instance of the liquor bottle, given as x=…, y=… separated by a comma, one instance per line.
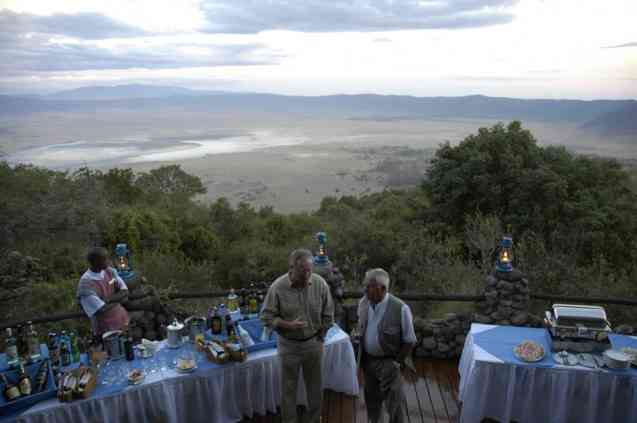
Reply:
x=34, y=344
x=41, y=378
x=54, y=351
x=230, y=330
x=217, y=326
x=128, y=347
x=233, y=301
x=242, y=299
x=65, y=353
x=24, y=382
x=223, y=311
x=253, y=304
x=75, y=348
x=11, y=349
x=11, y=392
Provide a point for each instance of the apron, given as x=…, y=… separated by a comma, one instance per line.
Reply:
x=117, y=317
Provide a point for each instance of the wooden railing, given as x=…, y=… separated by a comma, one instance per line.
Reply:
x=347, y=295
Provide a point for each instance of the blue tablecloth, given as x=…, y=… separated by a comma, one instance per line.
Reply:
x=501, y=340
x=339, y=366
x=496, y=384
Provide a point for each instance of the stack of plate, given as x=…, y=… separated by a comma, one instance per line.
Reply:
x=616, y=359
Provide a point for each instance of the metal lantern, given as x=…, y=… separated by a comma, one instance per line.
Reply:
x=504, y=262
x=322, y=257
x=123, y=263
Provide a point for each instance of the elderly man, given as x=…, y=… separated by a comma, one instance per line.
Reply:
x=101, y=292
x=299, y=307
x=387, y=338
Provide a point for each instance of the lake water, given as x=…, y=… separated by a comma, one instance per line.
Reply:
x=135, y=150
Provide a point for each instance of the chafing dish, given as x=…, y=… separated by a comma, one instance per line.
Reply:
x=579, y=328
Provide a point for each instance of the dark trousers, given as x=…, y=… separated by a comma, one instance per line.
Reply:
x=383, y=385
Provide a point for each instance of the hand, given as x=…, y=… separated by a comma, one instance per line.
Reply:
x=297, y=324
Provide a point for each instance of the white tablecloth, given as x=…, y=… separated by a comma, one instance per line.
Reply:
x=490, y=387
x=218, y=395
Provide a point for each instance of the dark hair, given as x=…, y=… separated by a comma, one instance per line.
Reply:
x=96, y=253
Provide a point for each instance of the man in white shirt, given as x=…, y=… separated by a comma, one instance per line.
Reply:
x=101, y=292
x=387, y=339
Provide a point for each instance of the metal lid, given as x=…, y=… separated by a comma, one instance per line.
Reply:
x=579, y=312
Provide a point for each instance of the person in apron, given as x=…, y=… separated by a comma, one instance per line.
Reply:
x=101, y=293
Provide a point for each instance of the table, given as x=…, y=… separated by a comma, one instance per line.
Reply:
x=495, y=384
x=212, y=393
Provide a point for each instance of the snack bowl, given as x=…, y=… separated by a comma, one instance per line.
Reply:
x=529, y=351
x=632, y=353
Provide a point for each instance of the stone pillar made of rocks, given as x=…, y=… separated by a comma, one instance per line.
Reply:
x=506, y=301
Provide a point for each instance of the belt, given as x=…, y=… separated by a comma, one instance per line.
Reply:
x=300, y=340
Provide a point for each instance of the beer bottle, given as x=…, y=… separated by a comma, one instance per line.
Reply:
x=217, y=326
x=24, y=382
x=42, y=377
x=11, y=392
x=128, y=347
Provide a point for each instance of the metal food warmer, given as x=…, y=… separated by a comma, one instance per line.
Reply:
x=578, y=328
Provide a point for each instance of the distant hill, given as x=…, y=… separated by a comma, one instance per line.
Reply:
x=618, y=123
x=123, y=92
x=364, y=106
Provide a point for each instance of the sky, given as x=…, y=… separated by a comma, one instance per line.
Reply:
x=582, y=49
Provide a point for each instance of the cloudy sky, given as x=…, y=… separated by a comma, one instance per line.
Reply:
x=516, y=48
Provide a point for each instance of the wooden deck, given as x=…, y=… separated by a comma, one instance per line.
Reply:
x=432, y=397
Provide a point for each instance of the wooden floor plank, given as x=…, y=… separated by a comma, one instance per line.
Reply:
x=423, y=386
x=412, y=403
x=443, y=371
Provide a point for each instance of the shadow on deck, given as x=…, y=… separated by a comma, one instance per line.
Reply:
x=432, y=397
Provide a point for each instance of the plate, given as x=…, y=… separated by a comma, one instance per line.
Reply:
x=529, y=351
x=565, y=358
x=632, y=353
x=186, y=370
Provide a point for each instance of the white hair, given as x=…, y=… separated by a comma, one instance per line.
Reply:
x=378, y=275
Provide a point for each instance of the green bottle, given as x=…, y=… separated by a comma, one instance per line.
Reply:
x=75, y=348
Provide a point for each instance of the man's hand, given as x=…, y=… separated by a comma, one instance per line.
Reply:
x=293, y=324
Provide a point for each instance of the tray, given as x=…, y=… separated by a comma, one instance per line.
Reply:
x=255, y=327
x=7, y=408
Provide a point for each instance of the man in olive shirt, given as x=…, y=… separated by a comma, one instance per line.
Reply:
x=299, y=307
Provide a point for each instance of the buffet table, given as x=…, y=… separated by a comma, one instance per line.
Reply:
x=212, y=393
x=495, y=383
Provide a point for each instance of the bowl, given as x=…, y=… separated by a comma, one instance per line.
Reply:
x=615, y=359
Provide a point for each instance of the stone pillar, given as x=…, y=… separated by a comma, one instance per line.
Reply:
x=506, y=302
x=441, y=338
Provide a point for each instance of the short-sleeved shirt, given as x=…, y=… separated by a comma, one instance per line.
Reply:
x=92, y=303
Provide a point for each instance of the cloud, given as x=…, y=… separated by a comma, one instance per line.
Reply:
x=623, y=45
x=31, y=44
x=382, y=40
x=252, y=16
x=36, y=54
x=81, y=25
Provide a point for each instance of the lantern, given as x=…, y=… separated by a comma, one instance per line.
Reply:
x=504, y=262
x=123, y=262
x=321, y=258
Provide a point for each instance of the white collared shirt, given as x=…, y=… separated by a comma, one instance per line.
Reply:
x=375, y=316
x=92, y=303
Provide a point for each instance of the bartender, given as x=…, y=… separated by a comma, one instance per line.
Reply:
x=101, y=293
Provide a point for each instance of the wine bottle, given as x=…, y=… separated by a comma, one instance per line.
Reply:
x=11, y=392
x=65, y=354
x=41, y=378
x=34, y=344
x=54, y=351
x=11, y=349
x=217, y=325
x=128, y=348
x=75, y=348
x=230, y=330
x=24, y=382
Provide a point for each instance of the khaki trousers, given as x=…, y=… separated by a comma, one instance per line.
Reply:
x=383, y=384
x=311, y=361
